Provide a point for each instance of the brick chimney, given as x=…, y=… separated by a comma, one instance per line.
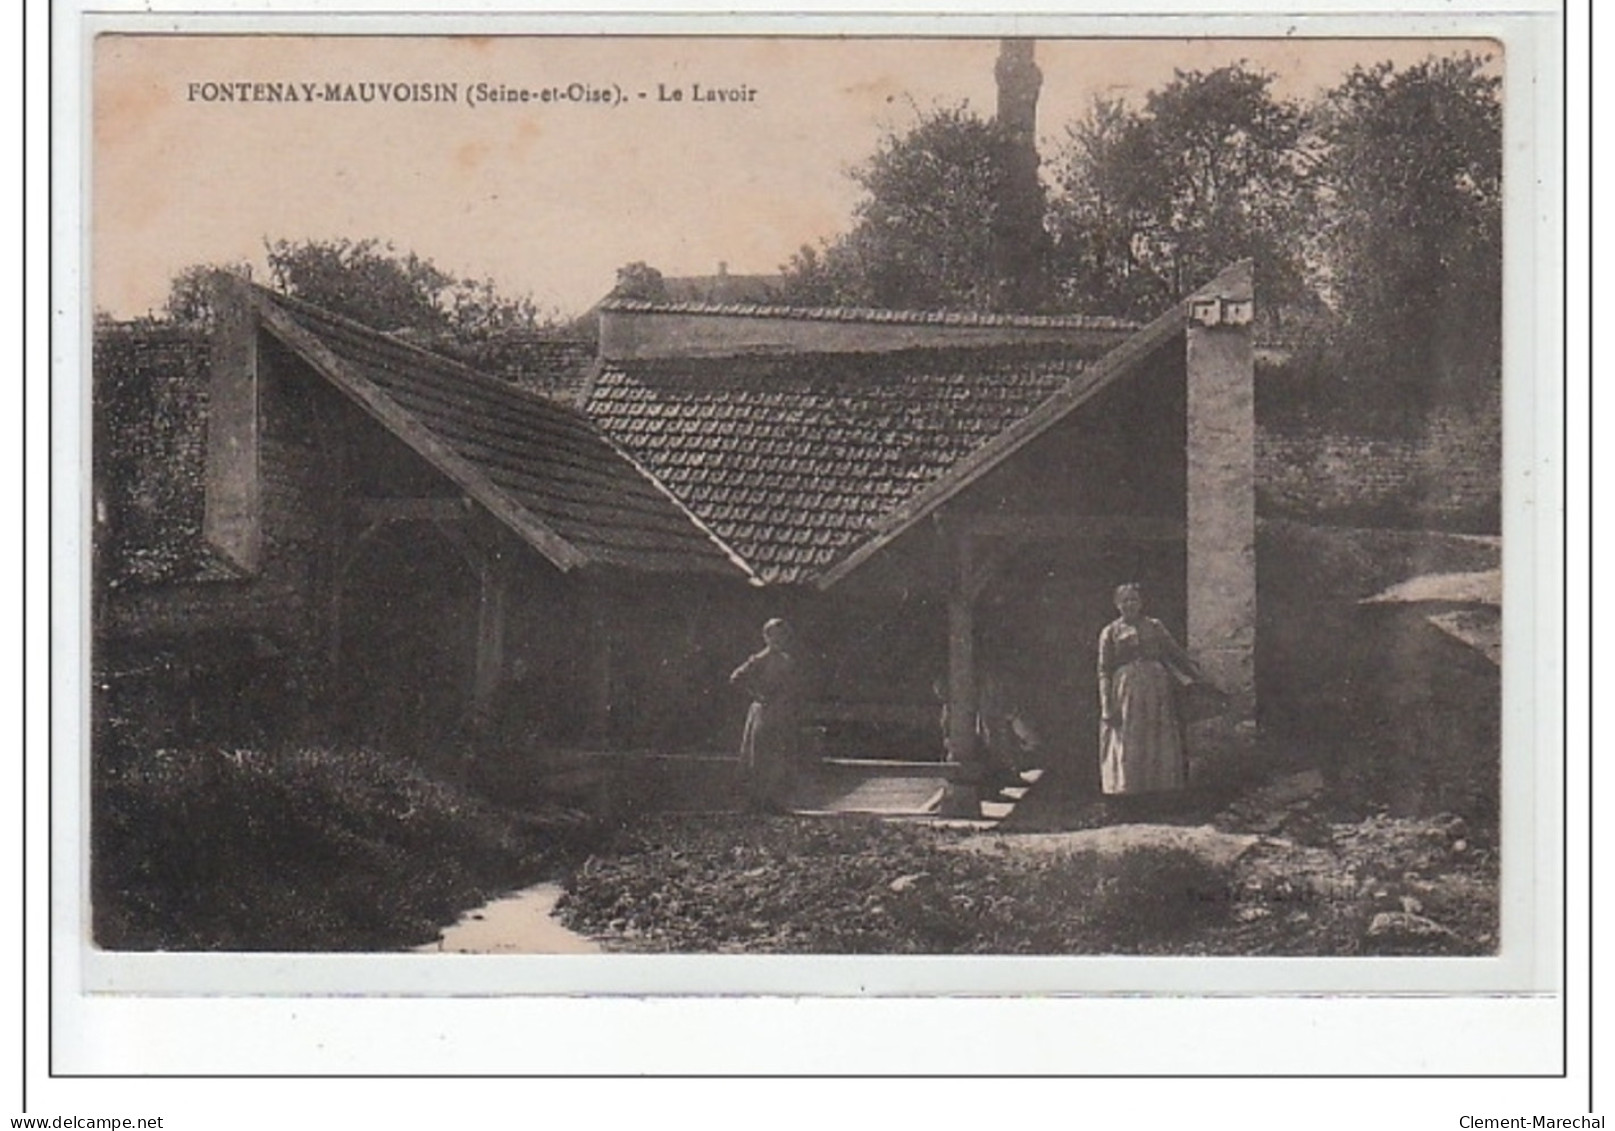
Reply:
x=1020, y=246
x=1019, y=81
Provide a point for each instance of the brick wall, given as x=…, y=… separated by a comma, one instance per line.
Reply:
x=1448, y=477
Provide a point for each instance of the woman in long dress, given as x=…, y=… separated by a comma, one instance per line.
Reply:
x=768, y=746
x=1141, y=729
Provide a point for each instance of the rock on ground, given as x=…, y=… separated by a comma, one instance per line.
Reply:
x=1392, y=931
x=1219, y=849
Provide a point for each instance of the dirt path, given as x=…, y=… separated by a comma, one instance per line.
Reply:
x=520, y=923
x=1217, y=849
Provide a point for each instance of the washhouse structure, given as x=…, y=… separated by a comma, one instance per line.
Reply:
x=938, y=501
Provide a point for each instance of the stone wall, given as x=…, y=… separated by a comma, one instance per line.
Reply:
x=1448, y=477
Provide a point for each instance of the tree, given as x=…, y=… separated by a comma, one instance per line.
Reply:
x=809, y=278
x=1154, y=201
x=923, y=235
x=1412, y=178
x=365, y=280
x=190, y=293
x=1095, y=257
x=478, y=311
x=639, y=280
x=374, y=283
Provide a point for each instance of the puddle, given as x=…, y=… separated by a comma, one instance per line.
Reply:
x=520, y=923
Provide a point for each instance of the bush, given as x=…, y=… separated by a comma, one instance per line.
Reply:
x=298, y=849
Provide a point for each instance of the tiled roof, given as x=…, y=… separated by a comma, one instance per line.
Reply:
x=794, y=460
x=870, y=314
x=783, y=468
x=543, y=468
x=537, y=360
x=556, y=367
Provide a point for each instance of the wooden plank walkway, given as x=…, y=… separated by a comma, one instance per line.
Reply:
x=887, y=790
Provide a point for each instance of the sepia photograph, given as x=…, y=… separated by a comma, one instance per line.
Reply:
x=765, y=495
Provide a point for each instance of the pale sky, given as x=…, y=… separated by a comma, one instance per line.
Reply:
x=550, y=199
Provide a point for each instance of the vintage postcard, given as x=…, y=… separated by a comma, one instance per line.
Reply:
x=1024, y=508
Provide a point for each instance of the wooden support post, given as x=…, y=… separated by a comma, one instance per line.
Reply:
x=601, y=669
x=962, y=795
x=484, y=558
x=490, y=665
x=331, y=445
x=347, y=553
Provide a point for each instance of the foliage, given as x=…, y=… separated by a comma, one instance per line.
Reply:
x=936, y=204
x=639, y=280
x=297, y=849
x=371, y=282
x=1412, y=165
x=479, y=313
x=819, y=276
x=1373, y=218
x=1095, y=259
x=190, y=293
x=365, y=280
x=374, y=283
x=1155, y=201
x=150, y=398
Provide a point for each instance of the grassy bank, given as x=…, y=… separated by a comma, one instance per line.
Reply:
x=300, y=850
x=851, y=886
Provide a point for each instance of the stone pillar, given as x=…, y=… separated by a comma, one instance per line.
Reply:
x=1222, y=487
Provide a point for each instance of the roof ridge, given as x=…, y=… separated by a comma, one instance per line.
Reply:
x=452, y=363
x=1055, y=352
x=875, y=314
